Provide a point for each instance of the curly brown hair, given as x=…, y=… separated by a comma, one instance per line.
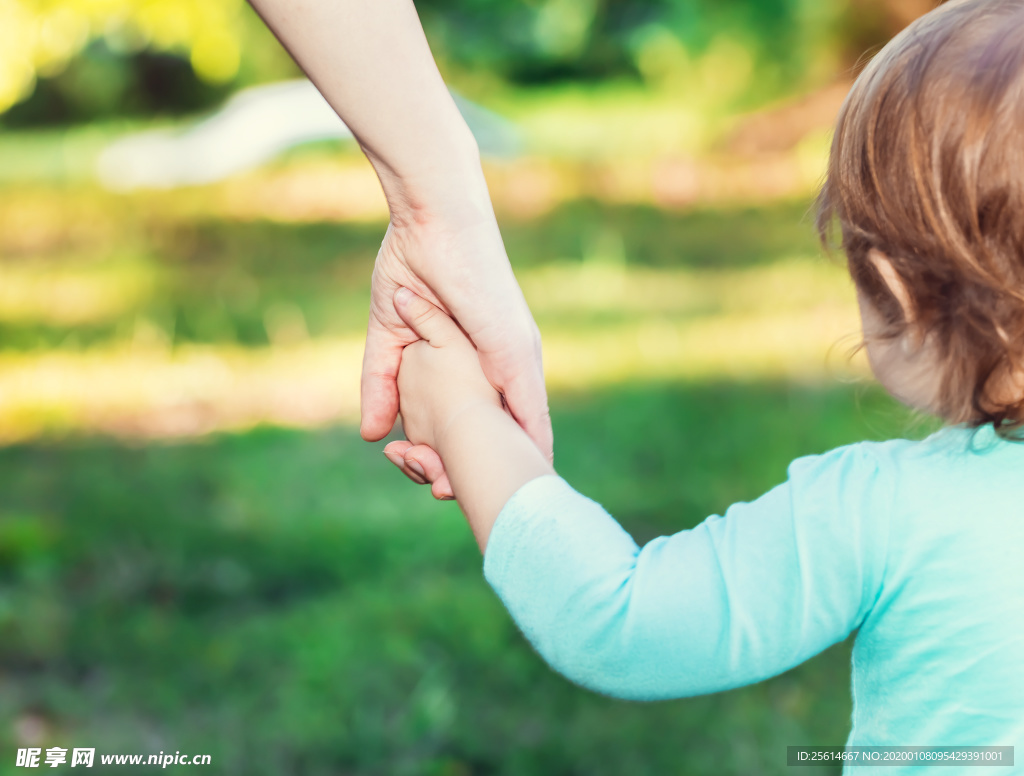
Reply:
x=927, y=168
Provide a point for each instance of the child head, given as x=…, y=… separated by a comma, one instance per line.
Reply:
x=926, y=180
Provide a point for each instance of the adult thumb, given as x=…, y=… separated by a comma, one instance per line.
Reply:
x=428, y=321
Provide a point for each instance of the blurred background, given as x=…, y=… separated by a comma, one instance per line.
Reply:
x=197, y=552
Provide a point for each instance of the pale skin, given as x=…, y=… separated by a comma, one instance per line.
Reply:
x=448, y=404
x=907, y=367
x=372, y=63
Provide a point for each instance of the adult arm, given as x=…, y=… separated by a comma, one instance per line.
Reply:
x=372, y=63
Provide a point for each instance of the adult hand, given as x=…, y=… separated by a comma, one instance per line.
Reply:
x=372, y=63
x=456, y=261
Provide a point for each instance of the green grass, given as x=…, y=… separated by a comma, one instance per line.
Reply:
x=281, y=601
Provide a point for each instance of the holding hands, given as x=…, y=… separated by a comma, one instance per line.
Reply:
x=449, y=406
x=440, y=377
x=456, y=261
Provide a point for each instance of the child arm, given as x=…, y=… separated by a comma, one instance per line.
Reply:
x=735, y=600
x=447, y=403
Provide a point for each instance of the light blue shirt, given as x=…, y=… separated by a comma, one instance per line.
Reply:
x=919, y=545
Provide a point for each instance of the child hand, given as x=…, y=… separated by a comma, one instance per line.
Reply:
x=450, y=409
x=440, y=375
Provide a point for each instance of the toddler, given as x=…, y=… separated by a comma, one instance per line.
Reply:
x=917, y=545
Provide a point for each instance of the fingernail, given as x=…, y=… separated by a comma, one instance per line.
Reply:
x=395, y=459
x=416, y=468
x=446, y=498
x=403, y=295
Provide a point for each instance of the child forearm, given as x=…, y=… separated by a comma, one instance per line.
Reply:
x=488, y=457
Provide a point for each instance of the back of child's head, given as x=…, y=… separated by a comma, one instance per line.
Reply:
x=927, y=169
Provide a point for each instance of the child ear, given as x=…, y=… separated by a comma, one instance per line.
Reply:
x=915, y=335
x=894, y=283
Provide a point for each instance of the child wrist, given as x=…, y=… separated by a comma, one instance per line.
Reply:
x=466, y=414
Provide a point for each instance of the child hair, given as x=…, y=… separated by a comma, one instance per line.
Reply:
x=927, y=168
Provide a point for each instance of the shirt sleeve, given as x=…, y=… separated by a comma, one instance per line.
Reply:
x=737, y=599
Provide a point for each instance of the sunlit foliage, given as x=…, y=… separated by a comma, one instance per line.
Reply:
x=38, y=39
x=741, y=53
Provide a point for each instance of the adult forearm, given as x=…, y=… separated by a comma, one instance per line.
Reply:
x=372, y=63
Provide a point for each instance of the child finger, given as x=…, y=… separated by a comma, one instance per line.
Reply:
x=395, y=452
x=425, y=462
x=442, y=489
